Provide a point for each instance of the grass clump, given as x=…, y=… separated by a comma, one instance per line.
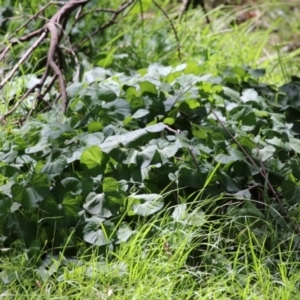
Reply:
x=164, y=260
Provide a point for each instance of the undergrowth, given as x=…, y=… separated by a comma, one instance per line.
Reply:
x=142, y=190
x=160, y=266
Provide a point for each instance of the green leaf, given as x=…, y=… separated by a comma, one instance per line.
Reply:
x=195, y=218
x=201, y=132
x=279, y=143
x=169, y=121
x=40, y=182
x=295, y=168
x=124, y=155
x=164, y=148
x=249, y=95
x=114, y=194
x=182, y=141
x=131, y=157
x=26, y=196
x=294, y=144
x=246, y=141
x=194, y=178
x=147, y=155
x=156, y=128
x=149, y=204
x=275, y=212
x=8, y=157
x=93, y=157
x=261, y=113
x=110, y=143
x=118, y=109
x=140, y=113
x=95, y=126
x=97, y=232
x=73, y=185
x=91, y=139
x=239, y=71
x=5, y=208
x=291, y=192
x=245, y=116
x=95, y=74
x=169, y=102
x=227, y=183
x=292, y=89
x=257, y=73
x=96, y=204
x=110, y=185
x=234, y=155
x=179, y=212
x=55, y=163
x=266, y=153
x=106, y=94
x=147, y=87
x=132, y=137
x=62, y=214
x=182, y=215
x=248, y=215
x=17, y=191
x=40, y=147
x=192, y=103
x=232, y=94
x=124, y=233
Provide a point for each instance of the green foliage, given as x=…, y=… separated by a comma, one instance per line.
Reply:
x=133, y=145
x=154, y=169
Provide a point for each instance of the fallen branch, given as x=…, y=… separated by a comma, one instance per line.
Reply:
x=22, y=59
x=54, y=26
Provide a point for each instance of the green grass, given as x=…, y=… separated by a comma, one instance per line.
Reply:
x=258, y=43
x=153, y=265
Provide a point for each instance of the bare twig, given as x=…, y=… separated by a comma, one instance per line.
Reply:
x=171, y=129
x=172, y=26
x=22, y=59
x=263, y=173
x=55, y=28
x=25, y=38
x=186, y=4
x=108, y=23
x=51, y=62
x=17, y=104
x=57, y=20
x=72, y=52
x=33, y=17
x=80, y=15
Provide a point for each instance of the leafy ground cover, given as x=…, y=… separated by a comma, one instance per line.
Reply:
x=180, y=176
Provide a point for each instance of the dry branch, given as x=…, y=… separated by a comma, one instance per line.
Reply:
x=194, y=3
x=172, y=26
x=54, y=27
x=113, y=19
